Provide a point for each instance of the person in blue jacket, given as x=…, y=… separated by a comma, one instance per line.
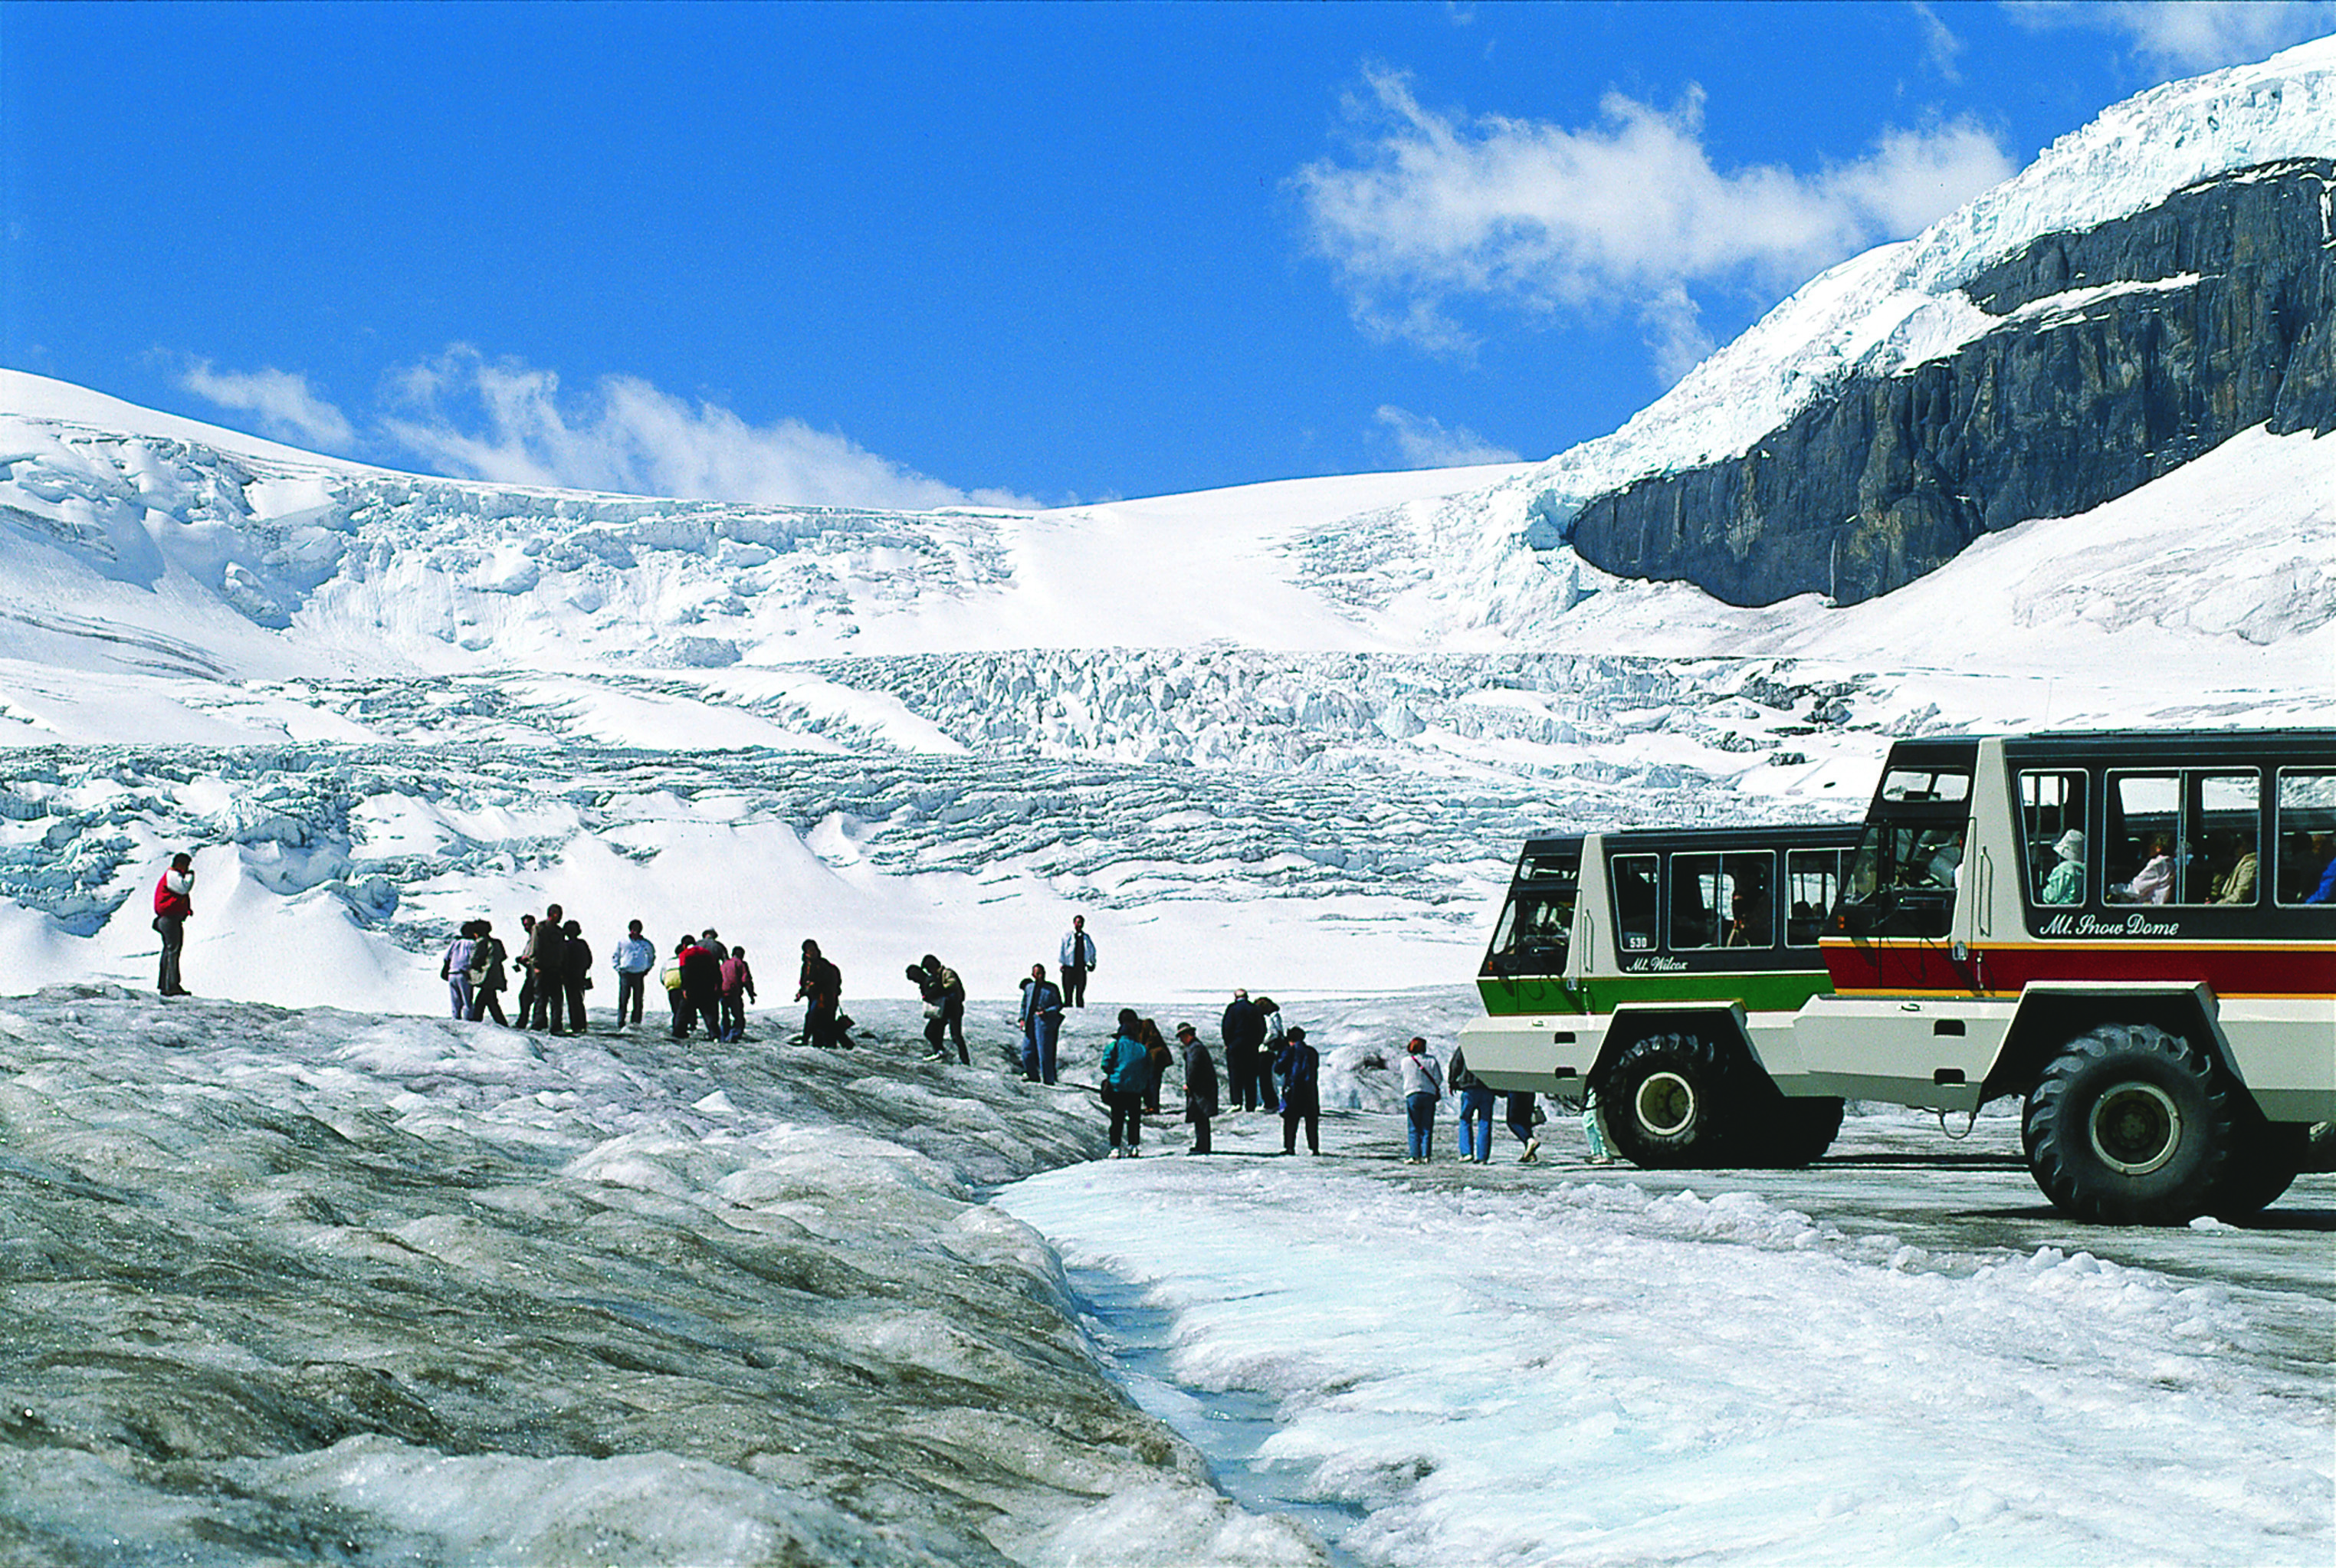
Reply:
x=1126, y=1070
x=1042, y=1023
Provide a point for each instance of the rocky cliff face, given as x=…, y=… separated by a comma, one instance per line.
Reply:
x=2107, y=358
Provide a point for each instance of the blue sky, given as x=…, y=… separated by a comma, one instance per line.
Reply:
x=908, y=255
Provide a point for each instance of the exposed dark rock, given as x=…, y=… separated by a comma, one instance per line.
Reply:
x=2048, y=416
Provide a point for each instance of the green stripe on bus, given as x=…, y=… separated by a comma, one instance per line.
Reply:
x=1760, y=991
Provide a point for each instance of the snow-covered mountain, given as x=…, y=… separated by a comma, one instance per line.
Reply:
x=1882, y=316
x=1296, y=726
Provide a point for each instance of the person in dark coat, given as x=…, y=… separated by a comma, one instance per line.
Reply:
x=1243, y=1029
x=488, y=979
x=1157, y=1056
x=820, y=991
x=1200, y=1086
x=576, y=974
x=701, y=991
x=1522, y=1112
x=547, y=961
x=1301, y=1092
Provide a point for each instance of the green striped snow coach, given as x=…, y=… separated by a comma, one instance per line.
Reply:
x=1639, y=966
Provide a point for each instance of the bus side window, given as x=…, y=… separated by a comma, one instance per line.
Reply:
x=1812, y=881
x=2305, y=829
x=2053, y=828
x=1751, y=899
x=2142, y=846
x=1635, y=916
x=2222, y=827
x=1699, y=896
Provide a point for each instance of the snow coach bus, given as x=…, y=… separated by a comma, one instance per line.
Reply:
x=1663, y=968
x=2136, y=933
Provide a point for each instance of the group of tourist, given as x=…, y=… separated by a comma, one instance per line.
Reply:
x=708, y=982
x=1137, y=1060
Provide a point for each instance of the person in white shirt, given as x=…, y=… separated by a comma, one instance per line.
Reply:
x=1423, y=1086
x=1078, y=957
x=632, y=958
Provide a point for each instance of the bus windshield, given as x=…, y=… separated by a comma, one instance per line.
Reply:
x=1535, y=928
x=1903, y=878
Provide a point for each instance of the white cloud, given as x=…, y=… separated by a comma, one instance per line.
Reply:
x=1940, y=47
x=503, y=421
x=2183, y=37
x=1628, y=213
x=288, y=408
x=1424, y=443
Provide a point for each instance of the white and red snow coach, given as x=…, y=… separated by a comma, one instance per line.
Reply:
x=2135, y=933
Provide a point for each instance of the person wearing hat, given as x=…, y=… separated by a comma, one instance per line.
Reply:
x=2066, y=884
x=1125, y=1067
x=1423, y=1085
x=1300, y=1067
x=1200, y=1086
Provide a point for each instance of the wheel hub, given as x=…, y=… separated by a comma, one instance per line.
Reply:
x=2135, y=1128
x=1665, y=1104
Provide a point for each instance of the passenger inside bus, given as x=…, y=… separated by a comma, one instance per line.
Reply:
x=1751, y=921
x=2065, y=884
x=2325, y=844
x=2154, y=883
x=2236, y=886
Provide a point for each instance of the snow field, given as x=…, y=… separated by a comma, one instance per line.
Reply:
x=1586, y=1373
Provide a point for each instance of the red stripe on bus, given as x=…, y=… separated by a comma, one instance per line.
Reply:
x=2287, y=971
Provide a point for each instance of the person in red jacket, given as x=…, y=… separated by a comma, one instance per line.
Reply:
x=174, y=902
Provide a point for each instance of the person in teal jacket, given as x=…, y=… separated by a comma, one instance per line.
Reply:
x=1126, y=1070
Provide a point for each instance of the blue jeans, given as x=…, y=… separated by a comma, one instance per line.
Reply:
x=1476, y=1124
x=1521, y=1115
x=1421, y=1109
x=1038, y=1048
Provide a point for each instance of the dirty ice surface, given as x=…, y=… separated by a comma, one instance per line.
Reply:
x=320, y=1287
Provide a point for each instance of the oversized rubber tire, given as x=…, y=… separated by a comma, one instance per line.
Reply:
x=1799, y=1131
x=2265, y=1159
x=2131, y=1124
x=1673, y=1102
